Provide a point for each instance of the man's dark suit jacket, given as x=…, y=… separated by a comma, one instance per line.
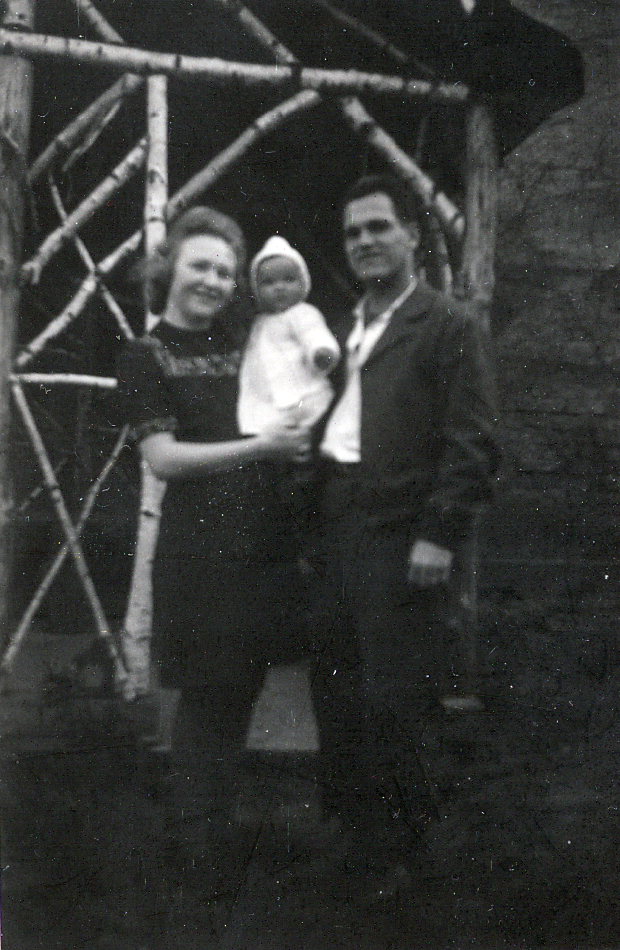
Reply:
x=428, y=415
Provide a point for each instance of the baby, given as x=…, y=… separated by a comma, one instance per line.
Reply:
x=290, y=350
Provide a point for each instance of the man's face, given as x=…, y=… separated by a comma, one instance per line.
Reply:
x=378, y=245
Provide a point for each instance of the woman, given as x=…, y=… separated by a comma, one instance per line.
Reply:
x=221, y=520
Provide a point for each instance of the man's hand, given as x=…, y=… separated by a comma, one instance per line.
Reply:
x=429, y=564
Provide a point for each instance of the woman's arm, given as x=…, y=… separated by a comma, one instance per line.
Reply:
x=169, y=459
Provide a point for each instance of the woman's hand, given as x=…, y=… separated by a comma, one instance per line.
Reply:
x=287, y=440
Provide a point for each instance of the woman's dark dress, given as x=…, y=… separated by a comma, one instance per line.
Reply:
x=219, y=576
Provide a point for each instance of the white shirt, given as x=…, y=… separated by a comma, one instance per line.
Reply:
x=342, y=439
x=278, y=378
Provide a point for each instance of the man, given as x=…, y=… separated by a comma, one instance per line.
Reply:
x=408, y=456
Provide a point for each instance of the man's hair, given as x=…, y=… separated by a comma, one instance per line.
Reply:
x=406, y=206
x=201, y=220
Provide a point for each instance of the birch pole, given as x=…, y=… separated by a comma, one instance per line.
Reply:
x=376, y=39
x=98, y=22
x=84, y=253
x=224, y=72
x=83, y=213
x=69, y=530
x=448, y=215
x=363, y=124
x=157, y=163
x=192, y=190
x=15, y=643
x=476, y=277
x=137, y=626
x=15, y=110
x=86, y=126
x=475, y=284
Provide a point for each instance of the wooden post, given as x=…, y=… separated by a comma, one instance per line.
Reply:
x=476, y=278
x=156, y=168
x=475, y=284
x=138, y=618
x=439, y=270
x=15, y=109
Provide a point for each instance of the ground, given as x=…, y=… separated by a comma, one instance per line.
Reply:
x=520, y=845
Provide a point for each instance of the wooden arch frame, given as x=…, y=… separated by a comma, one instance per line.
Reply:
x=472, y=233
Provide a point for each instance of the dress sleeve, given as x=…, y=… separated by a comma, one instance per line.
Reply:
x=145, y=397
x=312, y=332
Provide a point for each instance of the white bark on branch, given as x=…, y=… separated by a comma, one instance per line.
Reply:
x=363, y=123
x=137, y=624
x=87, y=127
x=86, y=291
x=377, y=39
x=138, y=620
x=89, y=121
x=221, y=71
x=98, y=22
x=132, y=162
x=260, y=32
x=66, y=379
x=82, y=250
x=449, y=216
x=69, y=530
x=157, y=163
x=181, y=200
x=229, y=156
x=39, y=595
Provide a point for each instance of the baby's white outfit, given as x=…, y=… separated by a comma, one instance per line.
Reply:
x=278, y=377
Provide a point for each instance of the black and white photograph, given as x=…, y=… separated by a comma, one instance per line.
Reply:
x=309, y=474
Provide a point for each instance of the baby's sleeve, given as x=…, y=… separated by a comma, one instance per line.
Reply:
x=314, y=334
x=144, y=395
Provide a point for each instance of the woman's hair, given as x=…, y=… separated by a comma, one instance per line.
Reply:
x=158, y=269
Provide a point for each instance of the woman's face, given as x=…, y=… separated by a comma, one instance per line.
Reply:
x=203, y=281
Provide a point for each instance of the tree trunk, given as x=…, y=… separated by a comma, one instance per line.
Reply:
x=15, y=108
x=476, y=279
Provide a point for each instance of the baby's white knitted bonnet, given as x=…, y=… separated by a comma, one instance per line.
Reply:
x=278, y=246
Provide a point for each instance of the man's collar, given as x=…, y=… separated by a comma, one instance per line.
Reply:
x=385, y=315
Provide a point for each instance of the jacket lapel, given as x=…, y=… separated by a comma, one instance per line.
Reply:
x=414, y=307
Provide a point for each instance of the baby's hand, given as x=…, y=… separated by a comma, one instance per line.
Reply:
x=325, y=359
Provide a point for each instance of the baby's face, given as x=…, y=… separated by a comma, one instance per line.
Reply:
x=279, y=284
